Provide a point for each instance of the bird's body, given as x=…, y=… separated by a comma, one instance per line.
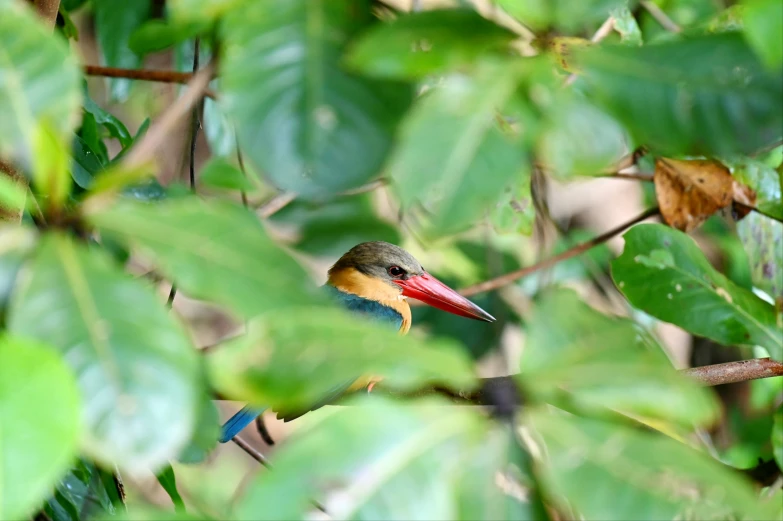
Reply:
x=375, y=279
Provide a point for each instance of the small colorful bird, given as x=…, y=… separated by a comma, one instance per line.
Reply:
x=376, y=278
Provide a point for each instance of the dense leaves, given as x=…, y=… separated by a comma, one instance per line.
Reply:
x=136, y=370
x=309, y=125
x=662, y=268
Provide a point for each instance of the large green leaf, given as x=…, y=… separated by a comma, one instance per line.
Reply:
x=606, y=362
x=114, y=24
x=418, y=44
x=303, y=121
x=452, y=158
x=663, y=272
x=293, y=358
x=39, y=81
x=213, y=251
x=39, y=424
x=385, y=461
x=613, y=472
x=136, y=367
x=764, y=30
x=700, y=95
x=566, y=15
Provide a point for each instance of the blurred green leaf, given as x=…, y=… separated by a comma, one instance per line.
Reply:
x=114, y=24
x=292, y=358
x=606, y=362
x=158, y=35
x=763, y=241
x=451, y=157
x=39, y=81
x=418, y=44
x=84, y=492
x=207, y=430
x=777, y=436
x=214, y=251
x=217, y=128
x=334, y=228
x=580, y=139
x=183, y=11
x=699, y=95
x=308, y=125
x=86, y=163
x=764, y=180
x=39, y=414
x=136, y=370
x=764, y=30
x=514, y=213
x=392, y=462
x=611, y=472
x=221, y=173
x=168, y=481
x=51, y=176
x=662, y=272
x=13, y=195
x=565, y=15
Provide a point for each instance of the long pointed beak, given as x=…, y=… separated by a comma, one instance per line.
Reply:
x=431, y=291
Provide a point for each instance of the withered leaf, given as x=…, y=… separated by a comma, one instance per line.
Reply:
x=690, y=191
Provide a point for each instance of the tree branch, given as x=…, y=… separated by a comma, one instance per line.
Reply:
x=47, y=10
x=144, y=75
x=508, y=278
x=733, y=372
x=660, y=17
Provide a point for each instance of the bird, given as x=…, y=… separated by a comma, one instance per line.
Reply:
x=375, y=279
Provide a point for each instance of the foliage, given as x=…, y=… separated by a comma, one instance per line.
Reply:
x=334, y=122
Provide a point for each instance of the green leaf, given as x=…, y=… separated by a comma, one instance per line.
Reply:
x=309, y=126
x=221, y=173
x=415, y=45
x=662, y=271
x=183, y=11
x=625, y=24
x=50, y=166
x=451, y=157
x=334, y=228
x=591, y=464
x=115, y=127
x=86, y=163
x=218, y=130
x=136, y=369
x=114, y=24
x=39, y=81
x=206, y=433
x=764, y=30
x=39, y=424
x=214, y=251
x=702, y=95
x=580, y=139
x=566, y=15
x=158, y=35
x=168, y=481
x=777, y=436
x=392, y=462
x=608, y=362
x=763, y=241
x=84, y=492
x=764, y=180
x=293, y=358
x=514, y=213
x=13, y=195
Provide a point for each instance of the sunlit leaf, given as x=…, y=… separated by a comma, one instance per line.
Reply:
x=311, y=127
x=418, y=44
x=701, y=95
x=663, y=272
x=39, y=424
x=391, y=462
x=293, y=358
x=50, y=166
x=612, y=472
x=452, y=159
x=213, y=250
x=764, y=30
x=606, y=362
x=39, y=80
x=114, y=24
x=135, y=366
x=168, y=481
x=220, y=173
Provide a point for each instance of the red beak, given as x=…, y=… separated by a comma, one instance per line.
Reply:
x=431, y=291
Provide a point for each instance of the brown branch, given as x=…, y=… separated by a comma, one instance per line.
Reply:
x=508, y=278
x=733, y=372
x=647, y=178
x=253, y=453
x=47, y=10
x=660, y=17
x=139, y=74
x=155, y=136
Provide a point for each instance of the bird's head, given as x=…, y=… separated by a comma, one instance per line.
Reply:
x=391, y=270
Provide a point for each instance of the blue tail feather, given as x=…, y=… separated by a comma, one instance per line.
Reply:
x=239, y=421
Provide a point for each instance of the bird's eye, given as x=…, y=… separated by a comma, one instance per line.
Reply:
x=396, y=271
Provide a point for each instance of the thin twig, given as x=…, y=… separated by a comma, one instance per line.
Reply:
x=241, y=162
x=195, y=123
x=733, y=372
x=551, y=261
x=139, y=74
x=647, y=178
x=158, y=131
x=660, y=17
x=253, y=453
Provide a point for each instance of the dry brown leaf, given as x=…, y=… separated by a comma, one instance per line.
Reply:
x=690, y=191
